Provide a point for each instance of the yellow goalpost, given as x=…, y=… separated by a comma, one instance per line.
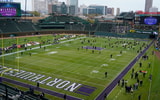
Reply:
x=3, y=58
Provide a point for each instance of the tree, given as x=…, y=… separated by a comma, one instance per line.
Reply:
x=35, y=13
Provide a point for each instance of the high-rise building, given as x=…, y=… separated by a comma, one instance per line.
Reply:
x=94, y=9
x=81, y=9
x=52, y=1
x=118, y=11
x=153, y=9
x=72, y=10
x=67, y=2
x=110, y=11
x=50, y=5
x=148, y=5
x=99, y=9
x=40, y=5
x=59, y=8
x=73, y=3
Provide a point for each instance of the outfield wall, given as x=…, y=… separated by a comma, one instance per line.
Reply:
x=42, y=32
x=122, y=35
x=125, y=35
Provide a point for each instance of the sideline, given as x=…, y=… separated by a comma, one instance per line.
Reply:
x=150, y=86
x=110, y=87
x=34, y=87
x=60, y=95
x=37, y=47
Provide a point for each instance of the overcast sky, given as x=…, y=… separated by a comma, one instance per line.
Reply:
x=124, y=5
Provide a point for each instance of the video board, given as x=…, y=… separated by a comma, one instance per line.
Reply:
x=10, y=9
x=148, y=20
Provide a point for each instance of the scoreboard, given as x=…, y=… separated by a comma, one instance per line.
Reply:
x=150, y=20
x=147, y=20
x=10, y=9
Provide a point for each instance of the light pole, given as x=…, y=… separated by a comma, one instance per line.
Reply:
x=90, y=25
x=25, y=9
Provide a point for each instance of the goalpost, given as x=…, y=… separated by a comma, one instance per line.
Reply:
x=3, y=58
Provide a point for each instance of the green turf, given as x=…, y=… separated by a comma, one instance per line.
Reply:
x=82, y=66
x=149, y=90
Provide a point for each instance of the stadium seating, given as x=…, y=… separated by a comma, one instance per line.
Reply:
x=126, y=16
x=15, y=94
x=26, y=26
x=71, y=23
x=104, y=27
x=62, y=19
x=7, y=26
x=63, y=22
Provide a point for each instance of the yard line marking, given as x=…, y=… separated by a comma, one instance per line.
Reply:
x=36, y=48
x=67, y=77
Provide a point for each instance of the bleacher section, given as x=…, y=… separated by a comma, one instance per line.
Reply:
x=25, y=26
x=72, y=23
x=63, y=19
x=105, y=27
x=126, y=16
x=109, y=27
x=7, y=26
x=74, y=27
x=62, y=22
x=10, y=93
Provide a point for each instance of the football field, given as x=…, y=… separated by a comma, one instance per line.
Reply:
x=78, y=66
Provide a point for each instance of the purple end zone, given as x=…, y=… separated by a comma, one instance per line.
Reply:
x=85, y=90
x=93, y=48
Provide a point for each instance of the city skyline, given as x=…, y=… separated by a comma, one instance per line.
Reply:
x=124, y=5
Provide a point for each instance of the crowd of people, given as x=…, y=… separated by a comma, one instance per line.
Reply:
x=137, y=76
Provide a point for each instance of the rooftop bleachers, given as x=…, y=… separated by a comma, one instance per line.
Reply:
x=126, y=16
x=63, y=22
x=62, y=19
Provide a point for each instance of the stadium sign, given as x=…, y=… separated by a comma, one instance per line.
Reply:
x=150, y=21
x=52, y=82
x=143, y=31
